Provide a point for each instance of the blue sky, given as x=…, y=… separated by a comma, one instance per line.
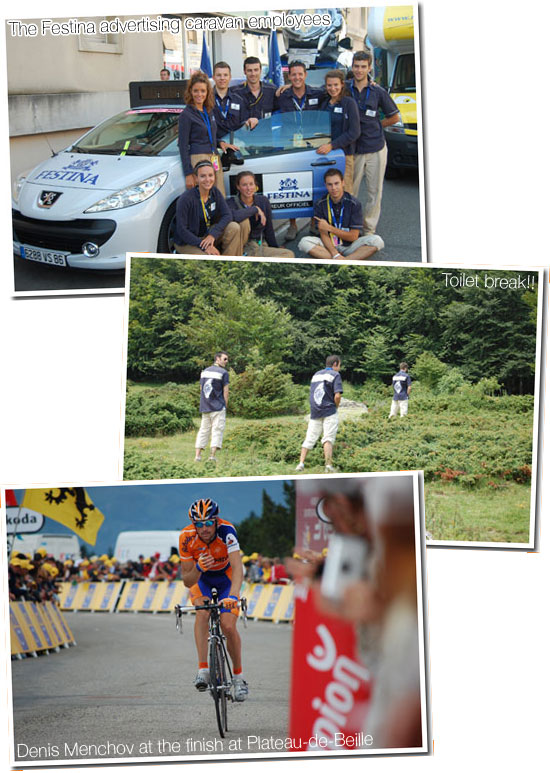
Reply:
x=165, y=505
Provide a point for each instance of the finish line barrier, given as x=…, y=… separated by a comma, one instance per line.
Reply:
x=265, y=601
x=37, y=627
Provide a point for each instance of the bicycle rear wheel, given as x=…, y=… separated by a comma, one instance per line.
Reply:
x=217, y=684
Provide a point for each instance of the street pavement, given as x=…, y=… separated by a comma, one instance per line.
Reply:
x=128, y=683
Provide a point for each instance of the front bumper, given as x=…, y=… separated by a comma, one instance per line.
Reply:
x=402, y=150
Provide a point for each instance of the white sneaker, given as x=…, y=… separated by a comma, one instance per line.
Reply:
x=299, y=467
x=241, y=688
x=330, y=468
x=202, y=680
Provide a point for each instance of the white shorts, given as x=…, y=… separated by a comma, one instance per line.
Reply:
x=403, y=407
x=213, y=422
x=328, y=426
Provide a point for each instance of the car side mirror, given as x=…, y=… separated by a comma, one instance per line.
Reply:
x=230, y=157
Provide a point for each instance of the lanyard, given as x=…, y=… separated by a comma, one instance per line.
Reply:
x=332, y=218
x=358, y=97
x=219, y=103
x=260, y=95
x=300, y=106
x=204, y=212
x=206, y=118
x=241, y=203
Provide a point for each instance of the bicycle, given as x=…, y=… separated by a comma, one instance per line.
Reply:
x=220, y=683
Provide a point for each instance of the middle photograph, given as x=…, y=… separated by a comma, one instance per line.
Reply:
x=241, y=367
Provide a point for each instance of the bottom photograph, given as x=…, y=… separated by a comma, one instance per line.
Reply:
x=217, y=619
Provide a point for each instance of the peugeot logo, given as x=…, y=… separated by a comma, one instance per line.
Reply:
x=48, y=198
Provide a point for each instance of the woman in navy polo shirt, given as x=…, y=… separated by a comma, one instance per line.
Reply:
x=197, y=135
x=345, y=125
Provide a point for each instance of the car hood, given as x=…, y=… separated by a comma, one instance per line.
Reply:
x=87, y=178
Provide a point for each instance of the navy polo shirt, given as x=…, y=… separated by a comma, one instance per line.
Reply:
x=370, y=100
x=230, y=113
x=257, y=230
x=401, y=381
x=345, y=125
x=310, y=100
x=324, y=385
x=193, y=136
x=261, y=106
x=346, y=214
x=213, y=380
x=191, y=226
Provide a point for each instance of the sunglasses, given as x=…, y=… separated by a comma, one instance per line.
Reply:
x=204, y=523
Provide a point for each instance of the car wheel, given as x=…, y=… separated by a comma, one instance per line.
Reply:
x=167, y=234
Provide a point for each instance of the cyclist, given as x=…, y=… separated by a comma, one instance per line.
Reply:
x=211, y=558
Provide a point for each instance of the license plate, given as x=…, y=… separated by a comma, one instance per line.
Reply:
x=43, y=256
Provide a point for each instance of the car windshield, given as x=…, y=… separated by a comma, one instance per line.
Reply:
x=404, y=78
x=284, y=133
x=139, y=132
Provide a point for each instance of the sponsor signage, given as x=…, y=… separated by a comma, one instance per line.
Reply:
x=287, y=191
x=23, y=521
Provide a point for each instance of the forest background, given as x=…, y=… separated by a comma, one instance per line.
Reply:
x=469, y=337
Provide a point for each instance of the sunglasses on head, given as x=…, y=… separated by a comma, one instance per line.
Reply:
x=200, y=524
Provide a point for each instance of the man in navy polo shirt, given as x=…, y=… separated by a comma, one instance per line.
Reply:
x=339, y=217
x=258, y=96
x=295, y=99
x=324, y=398
x=204, y=224
x=229, y=110
x=401, y=390
x=213, y=406
x=371, y=152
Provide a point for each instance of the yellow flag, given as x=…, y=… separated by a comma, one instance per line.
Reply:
x=70, y=506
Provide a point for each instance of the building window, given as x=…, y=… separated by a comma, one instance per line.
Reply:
x=101, y=42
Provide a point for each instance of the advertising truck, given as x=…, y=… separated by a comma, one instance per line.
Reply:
x=391, y=32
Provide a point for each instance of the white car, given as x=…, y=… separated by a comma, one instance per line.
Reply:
x=115, y=189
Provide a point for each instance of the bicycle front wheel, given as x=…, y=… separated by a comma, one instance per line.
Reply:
x=218, y=684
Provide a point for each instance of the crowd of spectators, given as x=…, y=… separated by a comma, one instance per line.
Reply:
x=37, y=577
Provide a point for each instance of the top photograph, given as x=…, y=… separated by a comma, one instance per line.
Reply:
x=289, y=134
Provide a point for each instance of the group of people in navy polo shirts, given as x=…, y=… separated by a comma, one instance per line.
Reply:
x=207, y=223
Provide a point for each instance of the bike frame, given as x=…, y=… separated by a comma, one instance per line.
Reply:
x=220, y=686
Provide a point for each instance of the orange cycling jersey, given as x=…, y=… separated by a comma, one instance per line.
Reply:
x=225, y=542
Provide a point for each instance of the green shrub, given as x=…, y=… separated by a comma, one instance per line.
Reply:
x=157, y=411
x=450, y=382
x=429, y=369
x=260, y=393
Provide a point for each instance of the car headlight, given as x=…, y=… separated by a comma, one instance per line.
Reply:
x=17, y=185
x=134, y=194
x=396, y=128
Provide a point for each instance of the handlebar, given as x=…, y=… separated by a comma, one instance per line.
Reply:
x=209, y=606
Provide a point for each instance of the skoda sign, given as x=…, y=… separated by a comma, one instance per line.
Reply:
x=23, y=521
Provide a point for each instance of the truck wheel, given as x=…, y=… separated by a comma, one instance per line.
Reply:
x=167, y=233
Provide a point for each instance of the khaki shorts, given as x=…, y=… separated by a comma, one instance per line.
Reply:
x=328, y=426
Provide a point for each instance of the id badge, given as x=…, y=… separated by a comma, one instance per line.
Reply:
x=298, y=140
x=215, y=163
x=370, y=113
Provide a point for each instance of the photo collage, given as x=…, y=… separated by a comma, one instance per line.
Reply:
x=272, y=487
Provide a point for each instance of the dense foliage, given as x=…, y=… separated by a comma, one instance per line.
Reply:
x=272, y=532
x=292, y=315
x=158, y=411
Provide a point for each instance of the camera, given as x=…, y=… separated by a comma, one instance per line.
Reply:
x=344, y=565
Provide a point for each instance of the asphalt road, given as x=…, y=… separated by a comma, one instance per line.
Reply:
x=128, y=683
x=30, y=276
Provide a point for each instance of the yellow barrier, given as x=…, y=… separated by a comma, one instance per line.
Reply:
x=37, y=628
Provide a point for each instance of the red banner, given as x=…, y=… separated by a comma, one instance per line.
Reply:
x=330, y=687
x=11, y=501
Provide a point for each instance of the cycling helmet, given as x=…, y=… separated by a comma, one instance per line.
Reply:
x=203, y=510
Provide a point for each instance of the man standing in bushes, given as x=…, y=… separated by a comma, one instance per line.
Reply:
x=324, y=398
x=401, y=391
x=213, y=406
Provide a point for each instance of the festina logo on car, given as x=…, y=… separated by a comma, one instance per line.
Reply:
x=287, y=192
x=76, y=172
